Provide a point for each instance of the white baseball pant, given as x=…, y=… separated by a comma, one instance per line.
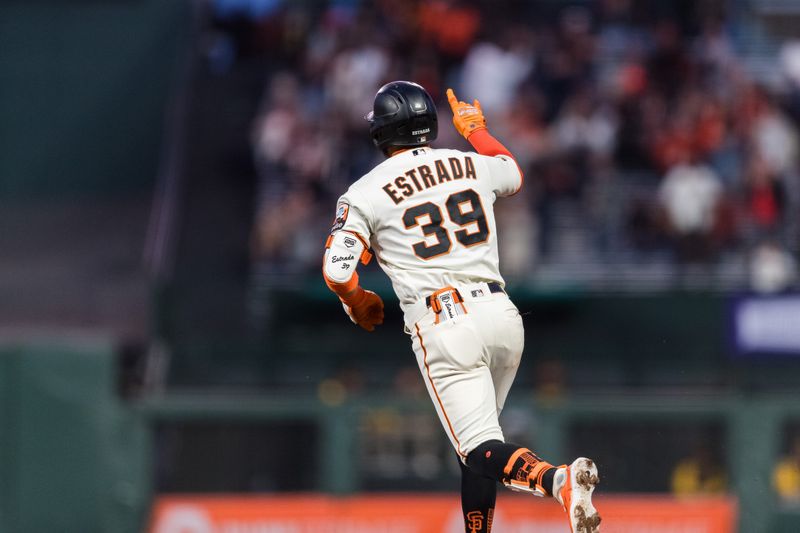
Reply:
x=469, y=362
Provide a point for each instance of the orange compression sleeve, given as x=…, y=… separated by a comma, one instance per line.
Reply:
x=341, y=289
x=348, y=292
x=485, y=144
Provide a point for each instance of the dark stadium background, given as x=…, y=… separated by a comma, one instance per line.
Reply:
x=168, y=175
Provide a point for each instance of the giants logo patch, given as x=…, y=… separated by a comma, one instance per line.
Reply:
x=342, y=210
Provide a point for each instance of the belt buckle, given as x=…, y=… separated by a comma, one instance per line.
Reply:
x=447, y=304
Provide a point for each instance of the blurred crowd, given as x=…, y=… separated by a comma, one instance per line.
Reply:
x=647, y=136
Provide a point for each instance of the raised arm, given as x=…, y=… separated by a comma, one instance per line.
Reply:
x=470, y=123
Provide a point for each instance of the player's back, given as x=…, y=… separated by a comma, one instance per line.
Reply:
x=429, y=217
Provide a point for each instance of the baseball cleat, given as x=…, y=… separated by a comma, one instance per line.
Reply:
x=573, y=486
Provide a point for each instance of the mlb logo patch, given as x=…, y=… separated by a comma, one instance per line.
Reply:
x=477, y=293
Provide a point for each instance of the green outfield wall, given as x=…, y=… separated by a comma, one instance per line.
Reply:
x=74, y=457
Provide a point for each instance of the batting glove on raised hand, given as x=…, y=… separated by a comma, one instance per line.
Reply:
x=365, y=308
x=467, y=118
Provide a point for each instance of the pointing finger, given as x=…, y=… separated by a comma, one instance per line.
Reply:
x=451, y=98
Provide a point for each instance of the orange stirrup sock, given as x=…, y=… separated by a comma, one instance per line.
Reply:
x=525, y=472
x=516, y=467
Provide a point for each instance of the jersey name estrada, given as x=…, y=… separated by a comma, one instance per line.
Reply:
x=428, y=216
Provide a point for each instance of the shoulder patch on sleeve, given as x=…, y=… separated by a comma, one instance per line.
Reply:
x=342, y=210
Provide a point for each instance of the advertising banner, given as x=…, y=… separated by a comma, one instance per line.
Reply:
x=421, y=513
x=766, y=325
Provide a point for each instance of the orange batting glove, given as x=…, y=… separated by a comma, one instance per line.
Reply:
x=364, y=308
x=467, y=118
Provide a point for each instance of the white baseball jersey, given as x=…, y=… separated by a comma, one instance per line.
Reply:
x=428, y=216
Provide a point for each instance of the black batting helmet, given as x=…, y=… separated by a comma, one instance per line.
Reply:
x=403, y=114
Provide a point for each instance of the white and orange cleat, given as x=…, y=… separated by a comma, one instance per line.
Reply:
x=573, y=486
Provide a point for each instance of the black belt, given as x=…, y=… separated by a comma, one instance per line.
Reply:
x=493, y=288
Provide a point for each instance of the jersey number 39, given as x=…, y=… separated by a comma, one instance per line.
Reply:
x=462, y=216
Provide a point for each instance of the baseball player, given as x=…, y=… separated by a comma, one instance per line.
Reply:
x=428, y=217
